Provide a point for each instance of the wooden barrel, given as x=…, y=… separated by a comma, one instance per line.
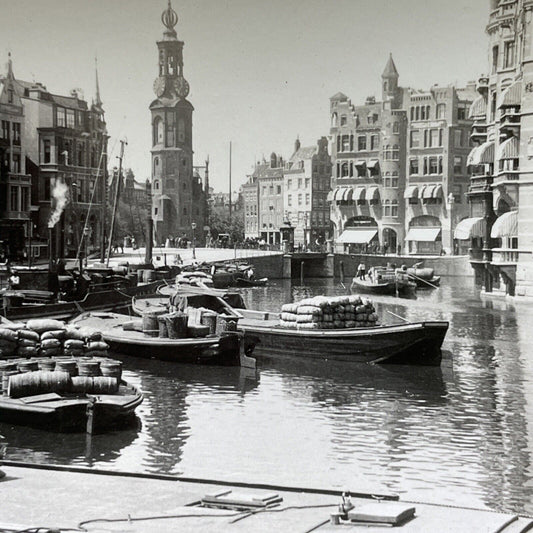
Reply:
x=6, y=374
x=177, y=325
x=28, y=366
x=94, y=385
x=111, y=369
x=40, y=382
x=88, y=368
x=81, y=384
x=150, y=323
x=209, y=318
x=163, y=329
x=226, y=323
x=67, y=365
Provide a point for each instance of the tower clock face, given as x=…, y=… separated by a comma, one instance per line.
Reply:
x=159, y=86
x=181, y=86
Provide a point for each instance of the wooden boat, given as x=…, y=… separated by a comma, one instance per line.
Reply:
x=416, y=343
x=65, y=411
x=106, y=300
x=221, y=349
x=381, y=280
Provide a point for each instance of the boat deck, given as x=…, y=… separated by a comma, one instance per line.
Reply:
x=64, y=497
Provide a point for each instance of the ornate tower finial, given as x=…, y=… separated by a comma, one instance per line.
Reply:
x=169, y=18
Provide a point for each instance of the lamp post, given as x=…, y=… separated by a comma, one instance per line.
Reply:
x=193, y=226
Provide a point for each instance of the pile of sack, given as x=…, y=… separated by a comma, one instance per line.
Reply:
x=48, y=338
x=323, y=312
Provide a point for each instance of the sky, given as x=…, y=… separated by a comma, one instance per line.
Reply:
x=261, y=72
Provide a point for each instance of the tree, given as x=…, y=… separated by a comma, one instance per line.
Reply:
x=222, y=224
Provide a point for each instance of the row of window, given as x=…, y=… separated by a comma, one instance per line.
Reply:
x=11, y=131
x=82, y=191
x=508, y=58
x=430, y=165
x=349, y=169
x=434, y=138
x=170, y=183
x=271, y=190
x=298, y=184
x=70, y=152
x=19, y=198
x=423, y=112
x=13, y=163
x=68, y=118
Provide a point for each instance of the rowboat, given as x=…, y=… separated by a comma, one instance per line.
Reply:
x=106, y=300
x=223, y=349
x=381, y=280
x=414, y=343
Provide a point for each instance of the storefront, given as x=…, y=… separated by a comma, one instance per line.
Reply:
x=424, y=236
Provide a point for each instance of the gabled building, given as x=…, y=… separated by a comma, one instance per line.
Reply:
x=399, y=168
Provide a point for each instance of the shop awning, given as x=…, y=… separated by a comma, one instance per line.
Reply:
x=423, y=234
x=428, y=191
x=360, y=193
x=165, y=197
x=512, y=96
x=339, y=192
x=357, y=235
x=482, y=154
x=437, y=192
x=411, y=192
x=469, y=227
x=348, y=194
x=373, y=163
x=372, y=193
x=330, y=196
x=505, y=225
x=360, y=163
x=509, y=149
x=478, y=108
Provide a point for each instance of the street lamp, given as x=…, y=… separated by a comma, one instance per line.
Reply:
x=193, y=226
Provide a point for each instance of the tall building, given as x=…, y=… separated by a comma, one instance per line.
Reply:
x=270, y=200
x=15, y=183
x=62, y=144
x=306, y=187
x=178, y=194
x=399, y=167
x=501, y=184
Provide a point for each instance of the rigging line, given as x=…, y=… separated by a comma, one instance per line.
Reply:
x=95, y=188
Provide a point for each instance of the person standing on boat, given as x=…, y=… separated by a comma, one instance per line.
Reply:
x=361, y=271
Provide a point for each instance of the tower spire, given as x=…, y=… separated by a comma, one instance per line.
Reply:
x=98, y=100
x=10, y=74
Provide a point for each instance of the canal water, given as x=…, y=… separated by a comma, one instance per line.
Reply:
x=460, y=434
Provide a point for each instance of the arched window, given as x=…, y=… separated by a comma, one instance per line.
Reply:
x=181, y=130
x=395, y=152
x=387, y=208
x=394, y=208
x=344, y=170
x=156, y=185
x=159, y=131
x=156, y=165
x=334, y=120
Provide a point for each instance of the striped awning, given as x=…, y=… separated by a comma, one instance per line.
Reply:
x=360, y=163
x=469, y=227
x=512, y=96
x=427, y=192
x=357, y=235
x=411, y=192
x=482, y=154
x=360, y=193
x=509, y=149
x=437, y=192
x=373, y=163
x=478, y=108
x=338, y=194
x=505, y=225
x=330, y=196
x=372, y=193
x=348, y=194
x=423, y=234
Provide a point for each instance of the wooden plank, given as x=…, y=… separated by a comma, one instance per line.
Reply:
x=49, y=397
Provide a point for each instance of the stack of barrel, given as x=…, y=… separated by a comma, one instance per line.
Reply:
x=324, y=312
x=195, y=323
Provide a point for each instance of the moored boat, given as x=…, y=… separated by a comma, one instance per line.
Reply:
x=65, y=401
x=126, y=336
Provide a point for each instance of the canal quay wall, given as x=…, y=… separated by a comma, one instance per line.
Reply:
x=345, y=265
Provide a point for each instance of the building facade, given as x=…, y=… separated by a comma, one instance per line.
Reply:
x=501, y=163
x=399, y=168
x=178, y=195
x=62, y=144
x=16, y=228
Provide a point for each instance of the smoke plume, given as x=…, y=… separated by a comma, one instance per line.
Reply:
x=59, y=193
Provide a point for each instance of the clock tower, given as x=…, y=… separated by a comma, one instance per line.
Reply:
x=177, y=192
